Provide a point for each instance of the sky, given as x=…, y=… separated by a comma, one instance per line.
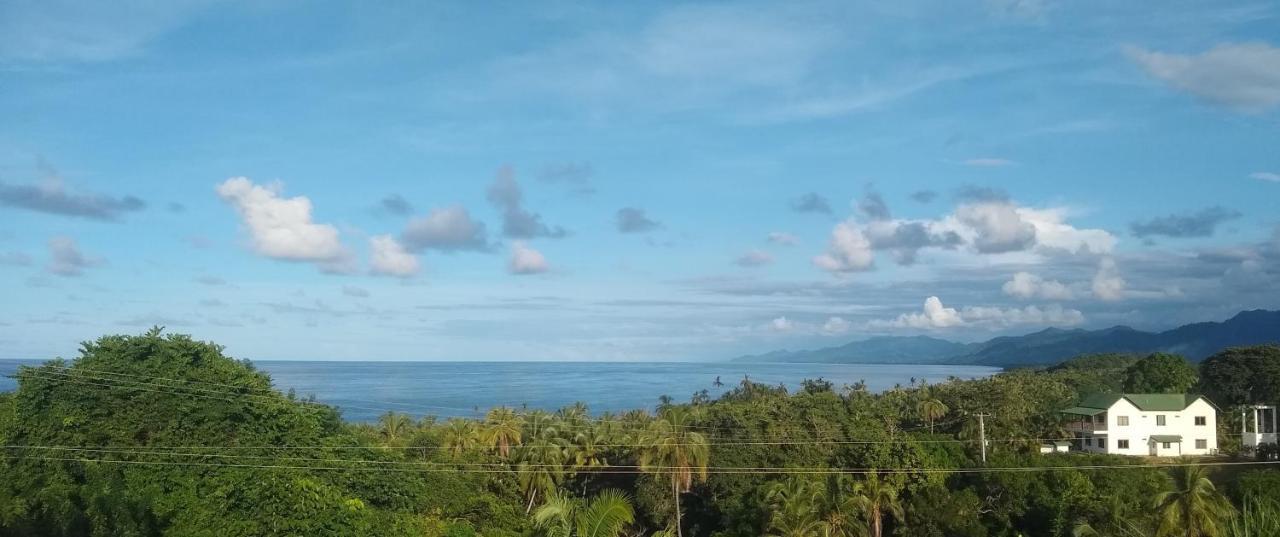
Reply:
x=630, y=181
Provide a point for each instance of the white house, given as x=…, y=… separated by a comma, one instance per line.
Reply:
x=1147, y=424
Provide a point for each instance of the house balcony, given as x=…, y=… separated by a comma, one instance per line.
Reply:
x=1087, y=427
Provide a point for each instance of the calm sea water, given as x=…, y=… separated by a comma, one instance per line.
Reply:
x=363, y=390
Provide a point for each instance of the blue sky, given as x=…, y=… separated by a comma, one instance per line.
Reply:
x=649, y=181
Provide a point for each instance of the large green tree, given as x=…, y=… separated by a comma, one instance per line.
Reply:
x=674, y=449
x=1160, y=373
x=1242, y=375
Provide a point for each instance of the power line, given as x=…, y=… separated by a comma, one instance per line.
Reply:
x=710, y=470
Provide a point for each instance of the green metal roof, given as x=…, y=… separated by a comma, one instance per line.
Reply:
x=1151, y=402
x=1084, y=411
x=1166, y=438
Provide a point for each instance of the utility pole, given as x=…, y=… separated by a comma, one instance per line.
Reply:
x=982, y=435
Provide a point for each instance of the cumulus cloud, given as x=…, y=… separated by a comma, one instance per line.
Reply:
x=633, y=220
x=282, y=228
x=448, y=229
x=754, y=258
x=66, y=259
x=1107, y=282
x=51, y=196
x=1055, y=235
x=905, y=239
x=390, y=258
x=935, y=315
x=989, y=162
x=1026, y=285
x=848, y=251
x=836, y=326
x=784, y=239
x=1266, y=176
x=998, y=227
x=526, y=260
x=395, y=204
x=1243, y=76
x=811, y=203
x=1202, y=223
x=782, y=324
x=517, y=222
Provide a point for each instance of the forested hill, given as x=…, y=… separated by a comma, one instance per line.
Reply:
x=1052, y=345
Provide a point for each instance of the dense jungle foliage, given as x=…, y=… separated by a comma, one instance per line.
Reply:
x=163, y=435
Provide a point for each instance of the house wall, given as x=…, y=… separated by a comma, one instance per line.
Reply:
x=1143, y=424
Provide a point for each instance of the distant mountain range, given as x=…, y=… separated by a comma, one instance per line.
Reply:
x=1051, y=345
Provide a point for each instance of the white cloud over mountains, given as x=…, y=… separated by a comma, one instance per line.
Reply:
x=983, y=224
x=934, y=316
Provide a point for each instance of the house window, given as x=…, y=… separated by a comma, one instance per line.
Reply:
x=1200, y=420
x=1122, y=444
x=1088, y=442
x=1102, y=443
x=1122, y=421
x=1202, y=443
x=1166, y=445
x=1160, y=421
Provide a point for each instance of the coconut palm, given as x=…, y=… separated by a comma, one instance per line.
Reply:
x=795, y=503
x=502, y=429
x=394, y=425
x=932, y=410
x=675, y=451
x=606, y=515
x=877, y=497
x=541, y=467
x=1193, y=507
x=460, y=436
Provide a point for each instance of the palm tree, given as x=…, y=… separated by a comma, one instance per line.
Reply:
x=1193, y=507
x=932, y=410
x=606, y=515
x=502, y=429
x=394, y=425
x=877, y=497
x=460, y=436
x=795, y=504
x=673, y=450
x=542, y=466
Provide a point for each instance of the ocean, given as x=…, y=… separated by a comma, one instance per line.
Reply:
x=364, y=390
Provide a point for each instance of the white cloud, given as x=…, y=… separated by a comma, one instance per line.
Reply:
x=1107, y=283
x=1244, y=76
x=785, y=239
x=782, y=324
x=836, y=326
x=937, y=316
x=388, y=257
x=281, y=228
x=754, y=258
x=998, y=227
x=848, y=251
x=989, y=162
x=1054, y=234
x=449, y=229
x=66, y=259
x=1026, y=285
x=526, y=260
x=1266, y=176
